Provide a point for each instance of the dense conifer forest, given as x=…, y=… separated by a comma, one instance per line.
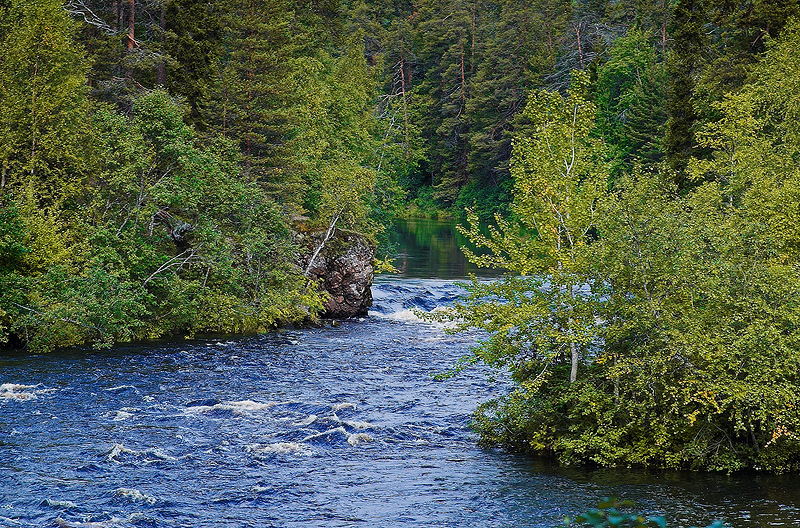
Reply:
x=636, y=163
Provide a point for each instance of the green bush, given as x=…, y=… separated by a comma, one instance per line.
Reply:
x=613, y=513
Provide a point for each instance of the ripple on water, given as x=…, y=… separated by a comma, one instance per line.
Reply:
x=121, y=455
x=59, y=504
x=324, y=427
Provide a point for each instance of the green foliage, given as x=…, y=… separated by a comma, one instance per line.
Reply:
x=337, y=142
x=611, y=513
x=630, y=91
x=683, y=68
x=12, y=232
x=193, y=40
x=716, y=43
x=134, y=224
x=560, y=179
x=654, y=323
x=217, y=252
x=43, y=101
x=455, y=78
x=253, y=101
x=12, y=252
x=170, y=239
x=686, y=320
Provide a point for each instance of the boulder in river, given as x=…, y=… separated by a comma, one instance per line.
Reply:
x=343, y=269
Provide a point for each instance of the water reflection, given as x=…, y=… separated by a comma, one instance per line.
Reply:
x=431, y=248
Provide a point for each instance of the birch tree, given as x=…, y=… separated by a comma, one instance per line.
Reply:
x=541, y=316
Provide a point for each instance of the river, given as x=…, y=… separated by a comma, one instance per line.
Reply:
x=338, y=426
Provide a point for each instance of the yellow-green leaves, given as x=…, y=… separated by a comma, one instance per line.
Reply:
x=559, y=178
x=680, y=313
x=43, y=101
x=544, y=319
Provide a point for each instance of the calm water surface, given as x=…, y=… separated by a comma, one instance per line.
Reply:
x=432, y=249
x=334, y=426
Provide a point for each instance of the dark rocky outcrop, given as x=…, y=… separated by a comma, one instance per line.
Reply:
x=343, y=268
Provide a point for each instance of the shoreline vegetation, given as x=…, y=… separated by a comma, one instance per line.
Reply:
x=643, y=323
x=633, y=166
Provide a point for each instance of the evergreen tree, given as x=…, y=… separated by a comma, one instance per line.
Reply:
x=193, y=42
x=254, y=99
x=515, y=55
x=447, y=43
x=335, y=141
x=630, y=94
x=683, y=68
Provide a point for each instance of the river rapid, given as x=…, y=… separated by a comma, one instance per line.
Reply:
x=336, y=426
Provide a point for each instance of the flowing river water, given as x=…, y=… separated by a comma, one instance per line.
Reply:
x=341, y=425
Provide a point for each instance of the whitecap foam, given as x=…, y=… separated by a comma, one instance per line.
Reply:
x=283, y=448
x=114, y=521
x=329, y=432
x=402, y=316
x=20, y=392
x=345, y=405
x=117, y=450
x=412, y=315
x=236, y=407
x=306, y=421
x=134, y=495
x=250, y=405
x=60, y=504
x=120, y=387
x=359, y=425
x=12, y=387
x=358, y=438
x=118, y=416
x=158, y=453
x=113, y=454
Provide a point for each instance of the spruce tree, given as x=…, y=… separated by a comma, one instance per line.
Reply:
x=253, y=98
x=683, y=68
x=193, y=44
x=514, y=56
x=630, y=95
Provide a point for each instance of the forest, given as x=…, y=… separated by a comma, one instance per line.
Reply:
x=632, y=164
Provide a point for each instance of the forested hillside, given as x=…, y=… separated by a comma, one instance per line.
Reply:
x=155, y=155
x=456, y=76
